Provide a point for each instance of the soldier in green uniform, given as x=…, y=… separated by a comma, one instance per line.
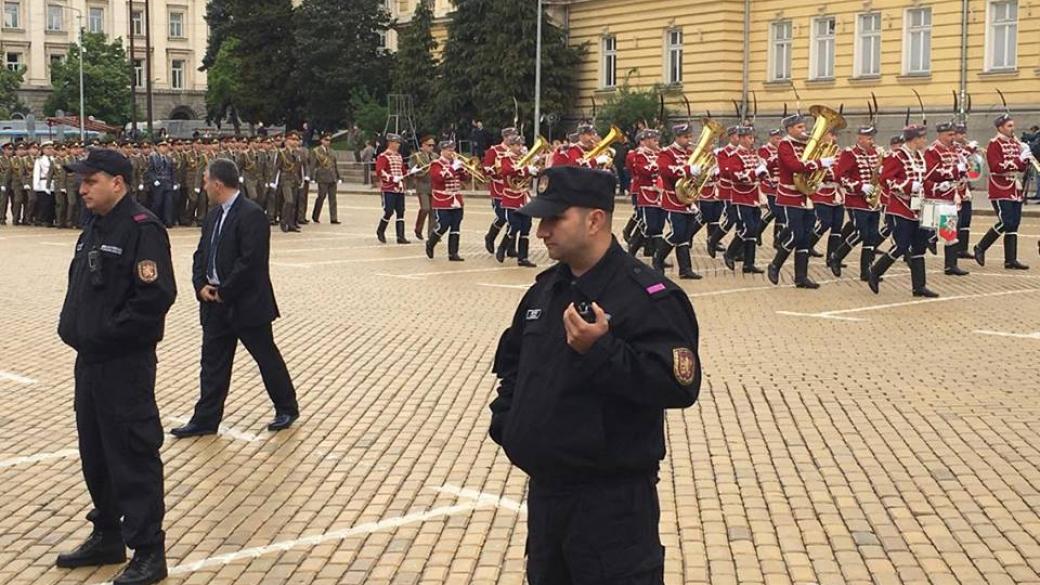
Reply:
x=190, y=184
x=289, y=181
x=6, y=154
x=249, y=165
x=269, y=172
x=21, y=175
x=326, y=175
x=303, y=192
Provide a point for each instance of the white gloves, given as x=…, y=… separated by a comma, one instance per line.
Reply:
x=716, y=171
x=176, y=186
x=398, y=178
x=761, y=170
x=915, y=187
x=3, y=188
x=241, y=179
x=157, y=183
x=456, y=164
x=272, y=185
x=339, y=181
x=827, y=162
x=140, y=187
x=413, y=170
x=868, y=189
x=944, y=186
x=532, y=170
x=1026, y=154
x=961, y=167
x=973, y=144
x=602, y=159
x=307, y=179
x=1025, y=148
x=694, y=170
x=198, y=190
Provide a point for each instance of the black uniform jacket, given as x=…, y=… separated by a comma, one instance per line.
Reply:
x=121, y=284
x=571, y=418
x=243, y=257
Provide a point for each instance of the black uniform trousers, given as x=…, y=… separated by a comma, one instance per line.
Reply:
x=909, y=236
x=162, y=203
x=601, y=533
x=119, y=439
x=798, y=226
x=219, y=342
x=867, y=224
x=749, y=221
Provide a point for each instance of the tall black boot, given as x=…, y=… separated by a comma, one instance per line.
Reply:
x=729, y=256
x=847, y=230
x=778, y=232
x=933, y=244
x=661, y=251
x=380, y=231
x=950, y=254
x=636, y=243
x=879, y=269
x=453, y=248
x=491, y=236
x=866, y=258
x=918, y=277
x=1011, y=253
x=750, y=249
x=962, y=240
x=834, y=259
x=739, y=254
x=984, y=244
x=400, y=233
x=801, y=270
x=813, y=239
x=506, y=244
x=523, y=247
x=715, y=234
x=626, y=233
x=833, y=241
x=766, y=220
x=682, y=257
x=431, y=243
x=511, y=250
x=778, y=262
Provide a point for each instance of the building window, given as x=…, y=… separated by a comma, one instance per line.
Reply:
x=868, y=47
x=54, y=14
x=55, y=59
x=780, y=51
x=137, y=23
x=13, y=61
x=918, y=41
x=609, y=78
x=1002, y=52
x=821, y=58
x=96, y=19
x=381, y=43
x=138, y=72
x=12, y=14
x=673, y=56
x=177, y=25
x=177, y=74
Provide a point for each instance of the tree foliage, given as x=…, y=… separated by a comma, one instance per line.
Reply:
x=415, y=69
x=10, y=81
x=218, y=17
x=266, y=58
x=106, y=77
x=627, y=106
x=223, y=89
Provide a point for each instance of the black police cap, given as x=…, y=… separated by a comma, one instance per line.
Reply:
x=563, y=187
x=103, y=160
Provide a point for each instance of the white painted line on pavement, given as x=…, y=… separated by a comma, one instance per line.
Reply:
x=337, y=248
x=420, y=275
x=222, y=430
x=1007, y=334
x=712, y=293
x=344, y=261
x=483, y=498
x=512, y=286
x=12, y=377
x=837, y=314
x=37, y=458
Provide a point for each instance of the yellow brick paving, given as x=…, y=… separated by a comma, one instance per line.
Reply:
x=897, y=448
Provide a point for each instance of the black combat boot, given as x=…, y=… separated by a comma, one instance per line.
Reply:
x=523, y=246
x=492, y=235
x=682, y=257
x=801, y=270
x=933, y=244
x=750, y=249
x=950, y=254
x=814, y=238
x=661, y=251
x=381, y=230
x=715, y=235
x=636, y=243
x=100, y=548
x=400, y=233
x=778, y=232
x=511, y=250
x=729, y=256
x=1011, y=253
x=984, y=244
x=834, y=258
x=918, y=277
x=866, y=258
x=766, y=220
x=773, y=271
x=432, y=243
x=453, y=248
x=626, y=233
x=962, y=241
x=833, y=242
x=506, y=244
x=147, y=567
x=879, y=269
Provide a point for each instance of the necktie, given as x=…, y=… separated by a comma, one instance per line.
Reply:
x=214, y=243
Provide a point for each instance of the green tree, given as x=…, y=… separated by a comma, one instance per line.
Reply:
x=337, y=48
x=106, y=78
x=627, y=106
x=10, y=81
x=266, y=58
x=223, y=89
x=416, y=68
x=369, y=113
x=485, y=67
x=218, y=18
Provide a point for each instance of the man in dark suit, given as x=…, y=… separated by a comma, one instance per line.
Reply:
x=232, y=280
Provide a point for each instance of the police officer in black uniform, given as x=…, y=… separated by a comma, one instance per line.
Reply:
x=599, y=347
x=121, y=286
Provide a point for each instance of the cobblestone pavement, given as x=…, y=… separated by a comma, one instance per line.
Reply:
x=841, y=437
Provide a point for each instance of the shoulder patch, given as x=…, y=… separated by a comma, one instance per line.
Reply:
x=652, y=283
x=684, y=365
x=141, y=217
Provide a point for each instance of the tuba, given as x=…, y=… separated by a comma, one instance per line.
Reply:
x=688, y=189
x=521, y=183
x=615, y=135
x=826, y=121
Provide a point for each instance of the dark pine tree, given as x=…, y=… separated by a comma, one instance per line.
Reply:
x=415, y=69
x=266, y=54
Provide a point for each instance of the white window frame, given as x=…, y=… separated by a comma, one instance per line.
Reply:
x=137, y=22
x=179, y=33
x=673, y=56
x=909, y=30
x=775, y=56
x=608, y=62
x=814, y=48
x=867, y=41
x=138, y=72
x=16, y=21
x=55, y=24
x=100, y=21
x=18, y=64
x=180, y=73
x=1010, y=37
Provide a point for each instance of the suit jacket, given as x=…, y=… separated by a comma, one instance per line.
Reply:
x=243, y=256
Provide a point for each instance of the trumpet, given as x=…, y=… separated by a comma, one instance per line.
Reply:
x=826, y=121
x=529, y=158
x=688, y=189
x=615, y=135
x=472, y=166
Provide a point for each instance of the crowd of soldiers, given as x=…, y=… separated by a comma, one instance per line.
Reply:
x=276, y=173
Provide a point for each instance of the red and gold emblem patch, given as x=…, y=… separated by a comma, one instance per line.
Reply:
x=684, y=365
x=147, y=271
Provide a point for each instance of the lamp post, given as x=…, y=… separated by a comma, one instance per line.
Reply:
x=82, y=52
x=538, y=74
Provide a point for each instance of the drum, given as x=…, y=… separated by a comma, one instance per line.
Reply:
x=940, y=216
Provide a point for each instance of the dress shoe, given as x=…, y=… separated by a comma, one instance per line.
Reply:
x=403, y=241
x=282, y=421
x=192, y=429
x=418, y=236
x=926, y=293
x=145, y=568
x=1015, y=265
x=304, y=222
x=100, y=548
x=315, y=220
x=526, y=263
x=334, y=222
x=293, y=228
x=456, y=258
x=285, y=228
